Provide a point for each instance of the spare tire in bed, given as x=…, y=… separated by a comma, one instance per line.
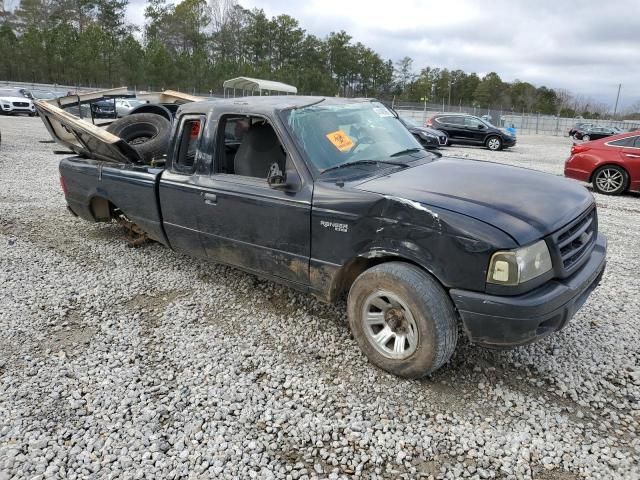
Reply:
x=147, y=133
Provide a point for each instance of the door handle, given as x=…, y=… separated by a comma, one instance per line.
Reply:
x=210, y=198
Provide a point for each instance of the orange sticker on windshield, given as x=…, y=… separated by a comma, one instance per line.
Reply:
x=340, y=140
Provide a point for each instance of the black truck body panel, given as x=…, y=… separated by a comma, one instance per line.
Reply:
x=447, y=216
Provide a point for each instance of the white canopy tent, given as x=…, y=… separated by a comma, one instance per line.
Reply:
x=249, y=86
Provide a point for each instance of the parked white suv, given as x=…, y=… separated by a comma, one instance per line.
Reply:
x=12, y=102
x=125, y=105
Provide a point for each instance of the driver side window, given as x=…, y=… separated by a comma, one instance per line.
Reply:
x=248, y=147
x=472, y=122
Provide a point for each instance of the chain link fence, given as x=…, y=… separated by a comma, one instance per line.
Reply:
x=524, y=123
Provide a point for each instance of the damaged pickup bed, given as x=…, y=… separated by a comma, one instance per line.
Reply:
x=335, y=197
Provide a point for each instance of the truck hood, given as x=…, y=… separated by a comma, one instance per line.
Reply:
x=525, y=204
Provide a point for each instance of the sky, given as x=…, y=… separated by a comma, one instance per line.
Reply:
x=586, y=47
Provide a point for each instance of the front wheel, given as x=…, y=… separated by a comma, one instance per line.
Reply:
x=494, y=143
x=402, y=319
x=610, y=180
x=586, y=138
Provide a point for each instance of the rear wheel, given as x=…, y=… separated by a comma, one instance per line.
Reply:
x=586, y=138
x=610, y=180
x=494, y=143
x=147, y=133
x=402, y=319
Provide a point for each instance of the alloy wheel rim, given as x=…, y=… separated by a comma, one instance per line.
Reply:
x=389, y=325
x=609, y=180
x=494, y=144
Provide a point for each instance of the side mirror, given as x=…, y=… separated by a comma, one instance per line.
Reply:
x=276, y=178
x=480, y=127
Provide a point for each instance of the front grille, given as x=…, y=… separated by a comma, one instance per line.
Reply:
x=573, y=243
x=443, y=140
x=21, y=104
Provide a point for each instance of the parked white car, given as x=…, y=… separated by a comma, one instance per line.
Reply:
x=125, y=105
x=11, y=102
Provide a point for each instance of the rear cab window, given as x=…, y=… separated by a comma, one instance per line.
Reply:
x=187, y=143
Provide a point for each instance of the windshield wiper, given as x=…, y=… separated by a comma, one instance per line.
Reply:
x=405, y=151
x=364, y=162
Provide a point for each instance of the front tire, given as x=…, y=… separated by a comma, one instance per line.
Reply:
x=586, y=138
x=610, y=180
x=494, y=143
x=402, y=319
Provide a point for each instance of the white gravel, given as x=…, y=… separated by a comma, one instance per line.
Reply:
x=143, y=363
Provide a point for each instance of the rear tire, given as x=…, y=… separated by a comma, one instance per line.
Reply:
x=402, y=319
x=586, y=138
x=494, y=143
x=610, y=180
x=147, y=133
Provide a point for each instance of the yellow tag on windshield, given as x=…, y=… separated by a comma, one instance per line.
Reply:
x=340, y=140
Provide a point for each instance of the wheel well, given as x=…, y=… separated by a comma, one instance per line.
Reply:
x=608, y=165
x=348, y=274
x=100, y=209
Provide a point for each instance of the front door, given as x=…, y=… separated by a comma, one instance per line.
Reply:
x=243, y=221
x=475, y=130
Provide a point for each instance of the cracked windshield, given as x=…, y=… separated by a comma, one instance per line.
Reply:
x=333, y=135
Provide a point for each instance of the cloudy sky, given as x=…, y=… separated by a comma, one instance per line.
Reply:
x=587, y=47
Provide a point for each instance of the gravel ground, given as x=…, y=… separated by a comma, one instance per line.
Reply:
x=142, y=363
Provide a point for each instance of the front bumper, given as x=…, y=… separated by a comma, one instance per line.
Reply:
x=429, y=142
x=508, y=141
x=508, y=321
x=10, y=108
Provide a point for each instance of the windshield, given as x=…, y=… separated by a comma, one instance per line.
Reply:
x=487, y=123
x=10, y=93
x=43, y=95
x=333, y=135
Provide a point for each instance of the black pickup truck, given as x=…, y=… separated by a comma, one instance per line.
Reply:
x=335, y=197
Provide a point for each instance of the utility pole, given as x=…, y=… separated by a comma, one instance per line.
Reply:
x=449, y=94
x=615, y=109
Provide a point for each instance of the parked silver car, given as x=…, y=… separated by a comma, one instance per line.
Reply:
x=125, y=105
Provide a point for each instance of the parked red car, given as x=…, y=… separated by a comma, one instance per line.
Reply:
x=611, y=164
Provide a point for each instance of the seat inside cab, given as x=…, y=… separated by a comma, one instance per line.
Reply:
x=251, y=147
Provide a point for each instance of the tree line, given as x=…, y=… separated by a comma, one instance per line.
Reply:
x=194, y=46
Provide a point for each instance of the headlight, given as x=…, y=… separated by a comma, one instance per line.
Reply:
x=514, y=267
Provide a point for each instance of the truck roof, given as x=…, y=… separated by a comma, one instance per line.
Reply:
x=265, y=104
